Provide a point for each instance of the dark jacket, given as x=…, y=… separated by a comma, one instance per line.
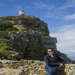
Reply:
x=53, y=61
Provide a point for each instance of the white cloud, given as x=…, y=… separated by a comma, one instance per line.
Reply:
x=44, y=6
x=41, y=4
x=51, y=11
x=70, y=17
x=66, y=39
x=68, y=4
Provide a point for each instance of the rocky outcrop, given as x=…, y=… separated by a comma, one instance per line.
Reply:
x=31, y=67
x=28, y=22
x=28, y=36
x=23, y=67
x=28, y=43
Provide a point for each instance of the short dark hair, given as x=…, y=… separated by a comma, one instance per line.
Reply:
x=50, y=48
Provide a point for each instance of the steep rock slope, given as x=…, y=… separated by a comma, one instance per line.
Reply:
x=26, y=37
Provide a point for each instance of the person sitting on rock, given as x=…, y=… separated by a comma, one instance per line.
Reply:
x=53, y=62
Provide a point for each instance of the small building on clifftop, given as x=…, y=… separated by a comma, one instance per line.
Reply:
x=21, y=13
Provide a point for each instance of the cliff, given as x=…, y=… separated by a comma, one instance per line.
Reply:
x=26, y=37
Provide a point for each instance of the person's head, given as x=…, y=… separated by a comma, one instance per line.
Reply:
x=50, y=51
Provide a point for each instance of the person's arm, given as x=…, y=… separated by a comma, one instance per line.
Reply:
x=61, y=60
x=50, y=63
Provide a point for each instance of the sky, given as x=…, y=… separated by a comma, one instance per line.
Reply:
x=58, y=14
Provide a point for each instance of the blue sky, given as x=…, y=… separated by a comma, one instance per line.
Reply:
x=59, y=14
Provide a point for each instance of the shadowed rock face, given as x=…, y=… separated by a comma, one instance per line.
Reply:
x=31, y=44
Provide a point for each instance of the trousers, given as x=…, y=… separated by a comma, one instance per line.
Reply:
x=52, y=70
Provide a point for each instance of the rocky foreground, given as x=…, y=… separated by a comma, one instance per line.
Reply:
x=30, y=67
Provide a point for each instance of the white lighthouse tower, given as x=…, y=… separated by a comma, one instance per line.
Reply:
x=21, y=13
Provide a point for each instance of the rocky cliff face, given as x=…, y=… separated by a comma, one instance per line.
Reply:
x=28, y=36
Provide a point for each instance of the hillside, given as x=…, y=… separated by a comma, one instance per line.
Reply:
x=26, y=37
x=11, y=23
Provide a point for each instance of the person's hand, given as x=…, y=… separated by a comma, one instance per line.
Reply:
x=60, y=65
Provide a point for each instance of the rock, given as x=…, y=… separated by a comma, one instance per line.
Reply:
x=24, y=45
x=32, y=68
x=28, y=36
x=1, y=65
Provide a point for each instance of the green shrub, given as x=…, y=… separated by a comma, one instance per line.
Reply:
x=11, y=29
x=4, y=49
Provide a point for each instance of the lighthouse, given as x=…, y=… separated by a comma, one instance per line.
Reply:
x=21, y=13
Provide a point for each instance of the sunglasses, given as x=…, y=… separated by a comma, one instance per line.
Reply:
x=49, y=51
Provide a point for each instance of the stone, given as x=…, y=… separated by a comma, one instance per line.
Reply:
x=1, y=65
x=36, y=68
x=28, y=36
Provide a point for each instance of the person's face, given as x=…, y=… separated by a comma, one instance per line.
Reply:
x=50, y=52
